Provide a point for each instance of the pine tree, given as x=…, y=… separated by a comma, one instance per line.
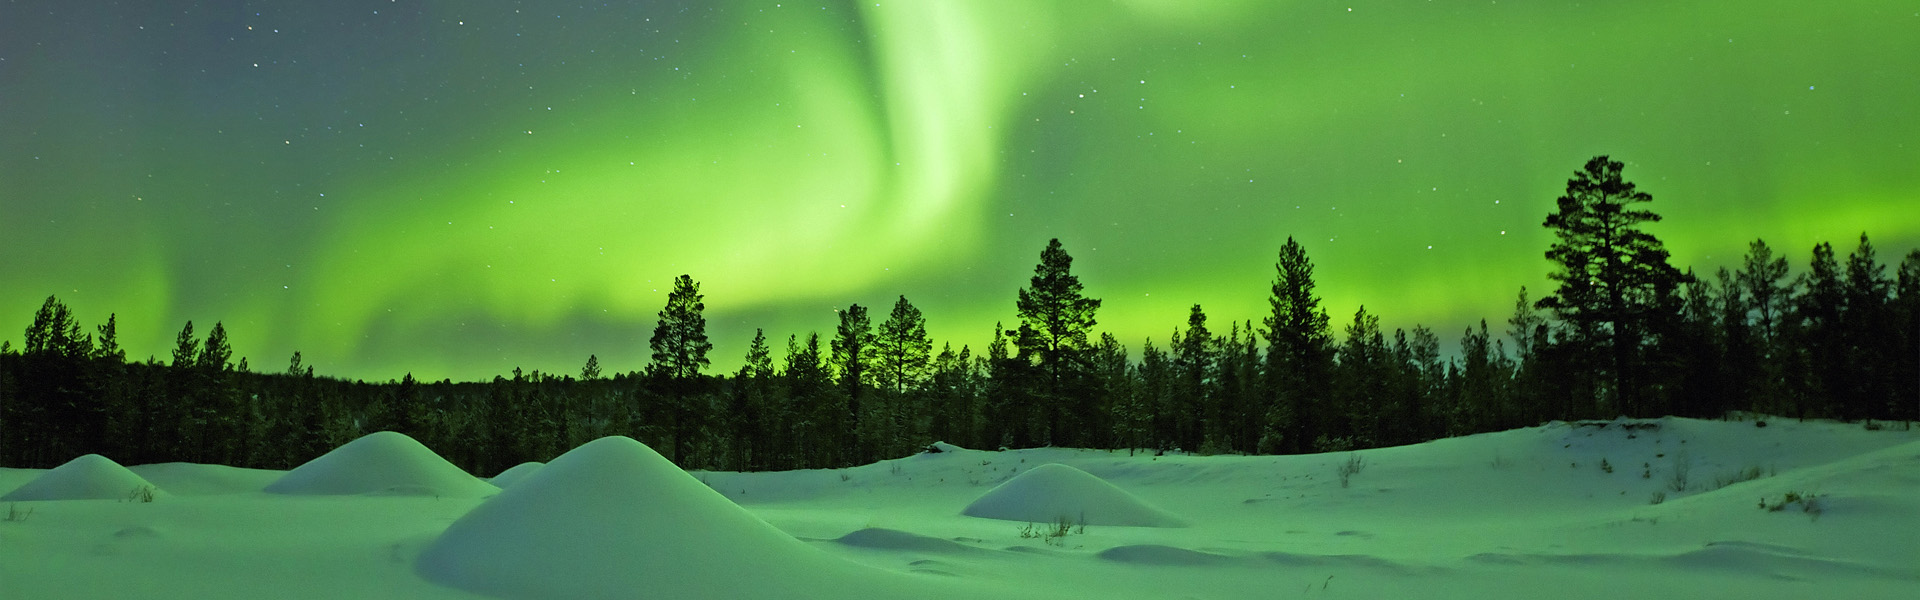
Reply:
x=1906, y=396
x=109, y=343
x=1768, y=292
x=1764, y=278
x=217, y=352
x=1060, y=317
x=1362, y=397
x=901, y=349
x=852, y=355
x=1193, y=363
x=1866, y=337
x=186, y=349
x=680, y=349
x=819, y=415
x=1153, y=415
x=1819, y=356
x=679, y=341
x=1616, y=288
x=751, y=404
x=591, y=371
x=1299, y=356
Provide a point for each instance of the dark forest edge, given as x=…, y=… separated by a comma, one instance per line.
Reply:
x=1625, y=334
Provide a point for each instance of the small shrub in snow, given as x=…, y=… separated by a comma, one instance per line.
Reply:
x=1809, y=503
x=1052, y=533
x=1605, y=466
x=15, y=515
x=1678, y=481
x=141, y=494
x=1748, y=474
x=1658, y=497
x=1352, y=467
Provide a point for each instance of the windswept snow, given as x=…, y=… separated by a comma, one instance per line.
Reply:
x=90, y=477
x=381, y=463
x=515, y=473
x=1052, y=492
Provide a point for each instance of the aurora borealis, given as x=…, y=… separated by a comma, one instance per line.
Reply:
x=457, y=188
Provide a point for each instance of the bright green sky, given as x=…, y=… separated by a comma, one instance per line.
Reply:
x=456, y=188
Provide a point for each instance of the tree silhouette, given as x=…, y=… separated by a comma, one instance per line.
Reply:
x=1616, y=287
x=1053, y=307
x=1299, y=355
x=679, y=341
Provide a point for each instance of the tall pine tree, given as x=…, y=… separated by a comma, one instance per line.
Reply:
x=1616, y=288
x=1060, y=317
x=1299, y=356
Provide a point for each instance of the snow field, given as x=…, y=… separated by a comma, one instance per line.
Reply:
x=1519, y=514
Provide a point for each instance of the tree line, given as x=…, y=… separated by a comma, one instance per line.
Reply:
x=1623, y=333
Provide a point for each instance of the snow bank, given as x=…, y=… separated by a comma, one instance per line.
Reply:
x=1051, y=492
x=381, y=463
x=614, y=519
x=90, y=477
x=515, y=473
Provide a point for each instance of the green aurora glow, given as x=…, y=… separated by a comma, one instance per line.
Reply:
x=454, y=189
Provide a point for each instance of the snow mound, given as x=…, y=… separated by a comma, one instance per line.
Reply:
x=515, y=473
x=614, y=519
x=893, y=539
x=381, y=463
x=90, y=477
x=1054, y=491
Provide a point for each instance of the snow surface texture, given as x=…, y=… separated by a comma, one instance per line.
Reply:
x=1052, y=492
x=90, y=477
x=515, y=473
x=1659, y=508
x=381, y=463
x=614, y=519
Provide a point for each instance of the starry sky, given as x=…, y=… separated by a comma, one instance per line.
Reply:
x=456, y=188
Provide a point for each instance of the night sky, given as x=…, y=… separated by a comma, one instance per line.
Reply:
x=455, y=188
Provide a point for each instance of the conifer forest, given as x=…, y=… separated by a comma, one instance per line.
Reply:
x=1826, y=332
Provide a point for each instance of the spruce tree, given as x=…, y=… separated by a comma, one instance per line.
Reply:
x=591, y=371
x=1616, y=288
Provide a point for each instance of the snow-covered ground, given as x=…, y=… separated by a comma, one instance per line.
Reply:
x=1562, y=511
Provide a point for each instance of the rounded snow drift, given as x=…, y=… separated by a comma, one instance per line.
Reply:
x=90, y=477
x=1051, y=492
x=381, y=463
x=614, y=519
x=515, y=473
